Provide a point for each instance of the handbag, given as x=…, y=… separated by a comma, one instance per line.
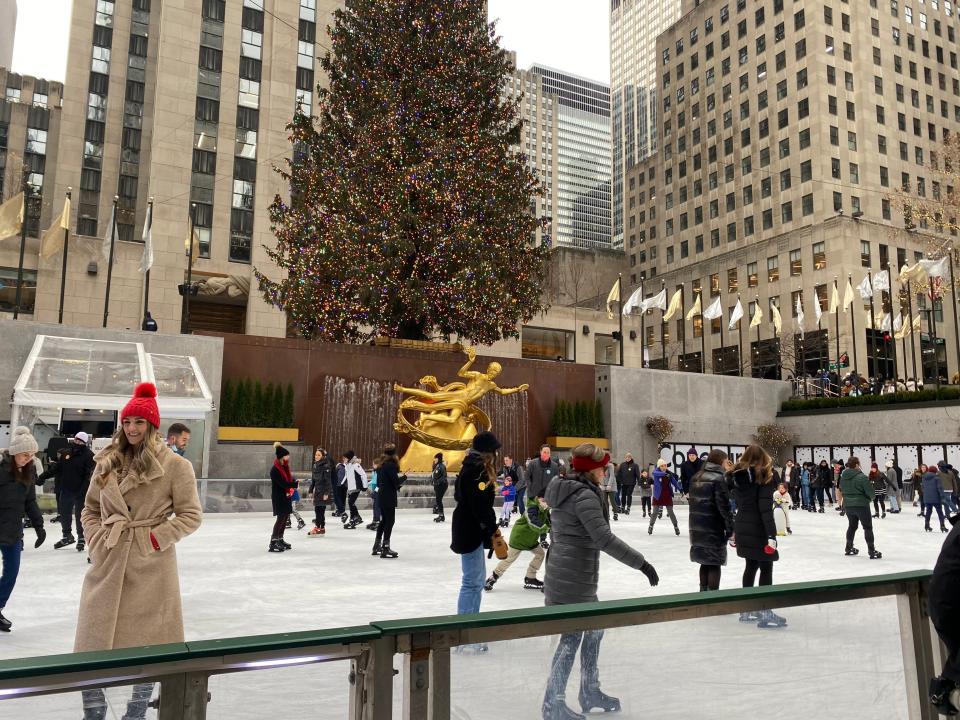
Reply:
x=500, y=548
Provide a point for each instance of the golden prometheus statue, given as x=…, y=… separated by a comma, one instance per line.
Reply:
x=449, y=417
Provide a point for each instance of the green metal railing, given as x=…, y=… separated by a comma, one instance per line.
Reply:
x=183, y=669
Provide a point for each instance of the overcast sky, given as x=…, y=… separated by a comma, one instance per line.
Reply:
x=560, y=33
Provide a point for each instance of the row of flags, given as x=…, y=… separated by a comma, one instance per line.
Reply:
x=934, y=269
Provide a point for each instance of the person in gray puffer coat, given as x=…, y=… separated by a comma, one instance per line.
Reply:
x=610, y=489
x=580, y=530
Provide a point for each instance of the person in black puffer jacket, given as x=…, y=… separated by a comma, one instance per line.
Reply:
x=388, y=488
x=944, y=608
x=711, y=521
x=756, y=530
x=72, y=471
x=18, y=497
x=321, y=487
x=580, y=530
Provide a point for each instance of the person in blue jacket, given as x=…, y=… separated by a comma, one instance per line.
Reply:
x=664, y=483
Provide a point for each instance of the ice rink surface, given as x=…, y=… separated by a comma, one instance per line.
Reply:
x=837, y=661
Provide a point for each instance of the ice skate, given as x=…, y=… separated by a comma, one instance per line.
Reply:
x=387, y=554
x=436, y=510
x=532, y=583
x=68, y=540
x=769, y=619
x=558, y=710
x=751, y=616
x=928, y=528
x=789, y=531
x=942, y=696
x=943, y=528
x=373, y=526
x=650, y=530
x=289, y=525
x=439, y=518
x=285, y=544
x=491, y=581
x=851, y=550
x=615, y=518
x=5, y=624
x=301, y=524
x=81, y=545
x=315, y=532
x=875, y=554
x=596, y=699
x=676, y=529
x=376, y=549
x=275, y=546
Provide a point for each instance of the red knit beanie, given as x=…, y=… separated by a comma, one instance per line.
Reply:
x=143, y=404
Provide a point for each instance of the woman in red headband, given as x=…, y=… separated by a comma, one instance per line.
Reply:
x=580, y=529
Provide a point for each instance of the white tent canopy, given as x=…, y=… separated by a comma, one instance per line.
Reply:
x=65, y=372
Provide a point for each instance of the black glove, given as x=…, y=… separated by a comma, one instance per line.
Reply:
x=41, y=536
x=647, y=569
x=543, y=542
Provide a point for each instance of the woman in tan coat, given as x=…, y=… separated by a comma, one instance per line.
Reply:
x=142, y=500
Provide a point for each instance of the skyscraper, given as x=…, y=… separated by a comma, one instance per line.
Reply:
x=634, y=27
x=8, y=29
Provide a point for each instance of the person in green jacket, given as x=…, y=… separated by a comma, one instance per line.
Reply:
x=857, y=495
x=528, y=535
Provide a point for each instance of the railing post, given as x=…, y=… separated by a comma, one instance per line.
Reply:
x=183, y=697
x=917, y=647
x=372, y=679
x=439, y=706
x=416, y=678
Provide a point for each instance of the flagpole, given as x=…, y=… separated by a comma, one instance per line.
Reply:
x=853, y=331
x=723, y=350
x=740, y=339
x=23, y=242
x=146, y=275
x=933, y=333
x=703, y=338
x=185, y=313
x=892, y=336
x=63, y=271
x=663, y=345
x=643, y=332
x=873, y=335
x=683, y=324
x=113, y=241
x=836, y=312
x=913, y=342
x=752, y=368
x=953, y=301
x=803, y=346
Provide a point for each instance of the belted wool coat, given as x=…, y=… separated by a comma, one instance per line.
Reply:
x=131, y=592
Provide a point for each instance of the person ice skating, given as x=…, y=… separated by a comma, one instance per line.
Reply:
x=646, y=491
x=893, y=489
x=688, y=468
x=781, y=503
x=806, y=502
x=142, y=501
x=72, y=471
x=541, y=472
x=340, y=489
x=610, y=494
x=791, y=476
x=949, y=481
x=295, y=508
x=474, y=521
x=711, y=520
x=520, y=482
x=388, y=489
x=944, y=608
x=355, y=481
x=754, y=526
x=821, y=485
x=321, y=488
x=373, y=487
x=527, y=535
x=440, y=484
x=509, y=494
x=282, y=485
x=911, y=485
x=664, y=483
x=879, y=482
x=931, y=495
x=580, y=530
x=628, y=475
x=178, y=437
x=18, y=499
x=858, y=493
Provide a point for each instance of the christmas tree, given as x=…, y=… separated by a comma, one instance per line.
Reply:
x=410, y=214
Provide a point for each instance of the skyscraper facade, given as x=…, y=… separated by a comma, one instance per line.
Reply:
x=8, y=30
x=634, y=27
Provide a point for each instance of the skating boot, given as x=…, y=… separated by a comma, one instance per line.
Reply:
x=789, y=531
x=373, y=526
x=81, y=545
x=928, y=528
x=532, y=583
x=820, y=510
x=650, y=530
x=491, y=581
x=275, y=546
x=286, y=545
x=596, y=699
x=436, y=510
x=5, y=624
x=68, y=540
x=558, y=710
x=943, y=696
x=676, y=529
x=387, y=554
x=289, y=525
x=751, y=616
x=301, y=524
x=851, y=550
x=943, y=528
x=769, y=619
x=316, y=532
x=376, y=549
x=615, y=518
x=439, y=518
x=351, y=524
x=875, y=554
x=55, y=520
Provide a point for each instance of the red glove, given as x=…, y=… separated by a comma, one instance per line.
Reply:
x=153, y=541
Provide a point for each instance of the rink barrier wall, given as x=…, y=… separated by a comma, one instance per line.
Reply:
x=183, y=669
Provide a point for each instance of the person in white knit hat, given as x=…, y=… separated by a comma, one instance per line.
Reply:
x=18, y=497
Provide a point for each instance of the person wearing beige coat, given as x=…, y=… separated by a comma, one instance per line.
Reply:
x=142, y=500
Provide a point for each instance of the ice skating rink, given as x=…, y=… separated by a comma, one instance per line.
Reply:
x=838, y=661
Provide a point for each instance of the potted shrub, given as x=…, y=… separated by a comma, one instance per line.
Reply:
x=576, y=423
x=250, y=412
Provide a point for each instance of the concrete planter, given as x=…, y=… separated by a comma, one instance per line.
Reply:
x=252, y=434
x=565, y=443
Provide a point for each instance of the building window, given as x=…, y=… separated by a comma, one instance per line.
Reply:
x=546, y=344
x=796, y=264
x=865, y=254
x=819, y=256
x=773, y=269
x=8, y=290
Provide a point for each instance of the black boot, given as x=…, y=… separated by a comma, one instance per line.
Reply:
x=440, y=518
x=286, y=545
x=851, y=550
x=558, y=710
x=387, y=554
x=4, y=624
x=943, y=528
x=67, y=540
x=491, y=581
x=941, y=692
x=596, y=699
x=275, y=546
x=81, y=545
x=376, y=548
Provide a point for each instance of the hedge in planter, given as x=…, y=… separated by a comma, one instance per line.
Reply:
x=249, y=404
x=951, y=392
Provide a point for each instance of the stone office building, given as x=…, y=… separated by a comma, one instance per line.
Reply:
x=787, y=128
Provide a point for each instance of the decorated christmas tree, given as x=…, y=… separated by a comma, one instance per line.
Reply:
x=410, y=214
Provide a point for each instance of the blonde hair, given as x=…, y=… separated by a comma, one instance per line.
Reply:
x=757, y=458
x=112, y=458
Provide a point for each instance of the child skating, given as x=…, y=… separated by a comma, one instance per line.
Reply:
x=781, y=505
x=509, y=493
x=527, y=535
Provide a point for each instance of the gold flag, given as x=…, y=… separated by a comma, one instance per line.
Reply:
x=695, y=310
x=911, y=273
x=11, y=216
x=674, y=306
x=196, y=243
x=777, y=320
x=834, y=299
x=757, y=316
x=54, y=237
x=612, y=298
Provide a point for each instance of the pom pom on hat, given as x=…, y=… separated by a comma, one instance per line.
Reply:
x=280, y=450
x=22, y=441
x=143, y=404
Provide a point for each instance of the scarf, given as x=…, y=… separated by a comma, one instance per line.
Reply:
x=287, y=475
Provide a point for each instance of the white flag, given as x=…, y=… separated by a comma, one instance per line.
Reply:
x=848, y=295
x=633, y=302
x=864, y=288
x=881, y=281
x=885, y=323
x=695, y=310
x=777, y=320
x=109, y=237
x=146, y=262
x=657, y=301
x=935, y=268
x=816, y=306
x=714, y=311
x=834, y=299
x=799, y=316
x=735, y=315
x=898, y=323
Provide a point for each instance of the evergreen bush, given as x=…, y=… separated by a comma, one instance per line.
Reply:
x=226, y=403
